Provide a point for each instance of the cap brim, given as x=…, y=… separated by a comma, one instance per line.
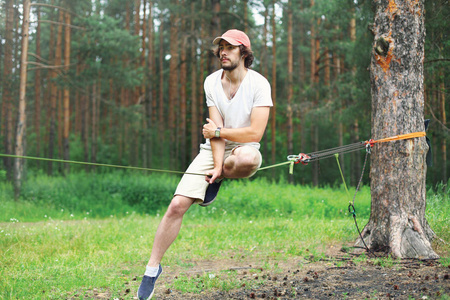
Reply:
x=233, y=42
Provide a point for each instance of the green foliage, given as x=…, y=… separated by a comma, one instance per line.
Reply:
x=100, y=46
x=95, y=195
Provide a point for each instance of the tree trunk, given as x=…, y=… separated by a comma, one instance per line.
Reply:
x=274, y=83
x=336, y=74
x=22, y=117
x=146, y=100
x=7, y=107
x=443, y=120
x=201, y=78
x=183, y=102
x=195, y=126
x=161, y=120
x=290, y=88
x=397, y=222
x=315, y=43
x=356, y=156
x=301, y=111
x=151, y=103
x=216, y=30
x=173, y=85
x=37, y=89
x=66, y=95
x=151, y=62
x=54, y=95
x=94, y=120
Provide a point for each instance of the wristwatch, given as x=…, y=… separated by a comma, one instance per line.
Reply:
x=217, y=132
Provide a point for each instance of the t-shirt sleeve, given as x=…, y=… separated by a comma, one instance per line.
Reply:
x=208, y=93
x=263, y=93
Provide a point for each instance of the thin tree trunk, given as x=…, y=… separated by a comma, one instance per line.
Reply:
x=444, y=122
x=145, y=106
x=290, y=88
x=216, y=30
x=161, y=120
x=22, y=117
x=274, y=83
x=7, y=107
x=337, y=72
x=54, y=94
x=314, y=86
x=301, y=82
x=201, y=78
x=195, y=127
x=397, y=222
x=173, y=85
x=95, y=91
x=356, y=165
x=78, y=105
x=183, y=101
x=66, y=97
x=49, y=88
x=37, y=89
x=151, y=102
x=264, y=69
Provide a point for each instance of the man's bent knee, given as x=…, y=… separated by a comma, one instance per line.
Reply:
x=244, y=162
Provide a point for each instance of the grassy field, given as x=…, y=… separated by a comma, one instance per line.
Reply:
x=61, y=241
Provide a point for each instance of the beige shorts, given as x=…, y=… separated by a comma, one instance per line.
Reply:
x=194, y=186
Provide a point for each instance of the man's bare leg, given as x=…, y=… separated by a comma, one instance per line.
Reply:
x=242, y=162
x=169, y=228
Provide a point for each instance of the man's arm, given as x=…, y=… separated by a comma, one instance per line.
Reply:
x=217, y=145
x=252, y=133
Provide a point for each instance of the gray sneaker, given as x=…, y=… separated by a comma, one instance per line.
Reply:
x=147, y=286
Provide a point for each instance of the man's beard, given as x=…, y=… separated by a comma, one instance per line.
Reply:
x=231, y=67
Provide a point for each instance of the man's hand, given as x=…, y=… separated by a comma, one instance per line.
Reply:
x=209, y=129
x=213, y=175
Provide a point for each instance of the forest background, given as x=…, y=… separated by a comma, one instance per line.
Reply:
x=121, y=82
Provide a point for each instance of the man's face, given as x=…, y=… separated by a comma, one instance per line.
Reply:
x=229, y=55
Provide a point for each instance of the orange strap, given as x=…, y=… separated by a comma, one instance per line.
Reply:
x=401, y=137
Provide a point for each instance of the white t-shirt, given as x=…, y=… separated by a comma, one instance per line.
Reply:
x=253, y=91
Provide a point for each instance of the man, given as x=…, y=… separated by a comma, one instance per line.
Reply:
x=239, y=101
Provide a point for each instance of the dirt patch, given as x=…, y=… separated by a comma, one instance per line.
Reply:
x=331, y=278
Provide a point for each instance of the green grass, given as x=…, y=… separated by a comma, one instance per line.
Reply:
x=69, y=236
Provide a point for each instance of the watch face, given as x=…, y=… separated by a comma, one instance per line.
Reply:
x=217, y=133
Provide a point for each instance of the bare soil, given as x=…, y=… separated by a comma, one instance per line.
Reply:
x=336, y=277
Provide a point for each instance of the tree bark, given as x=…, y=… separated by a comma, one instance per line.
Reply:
x=397, y=222
x=22, y=117
x=173, y=84
x=7, y=107
x=66, y=92
x=274, y=83
x=201, y=78
x=54, y=94
x=443, y=120
x=195, y=126
x=151, y=103
x=290, y=87
x=216, y=30
x=183, y=101
x=161, y=120
x=37, y=89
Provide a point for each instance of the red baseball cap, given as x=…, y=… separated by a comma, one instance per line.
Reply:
x=234, y=37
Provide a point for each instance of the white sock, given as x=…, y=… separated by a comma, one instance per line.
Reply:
x=151, y=271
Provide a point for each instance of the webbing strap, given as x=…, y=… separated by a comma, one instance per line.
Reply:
x=402, y=137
